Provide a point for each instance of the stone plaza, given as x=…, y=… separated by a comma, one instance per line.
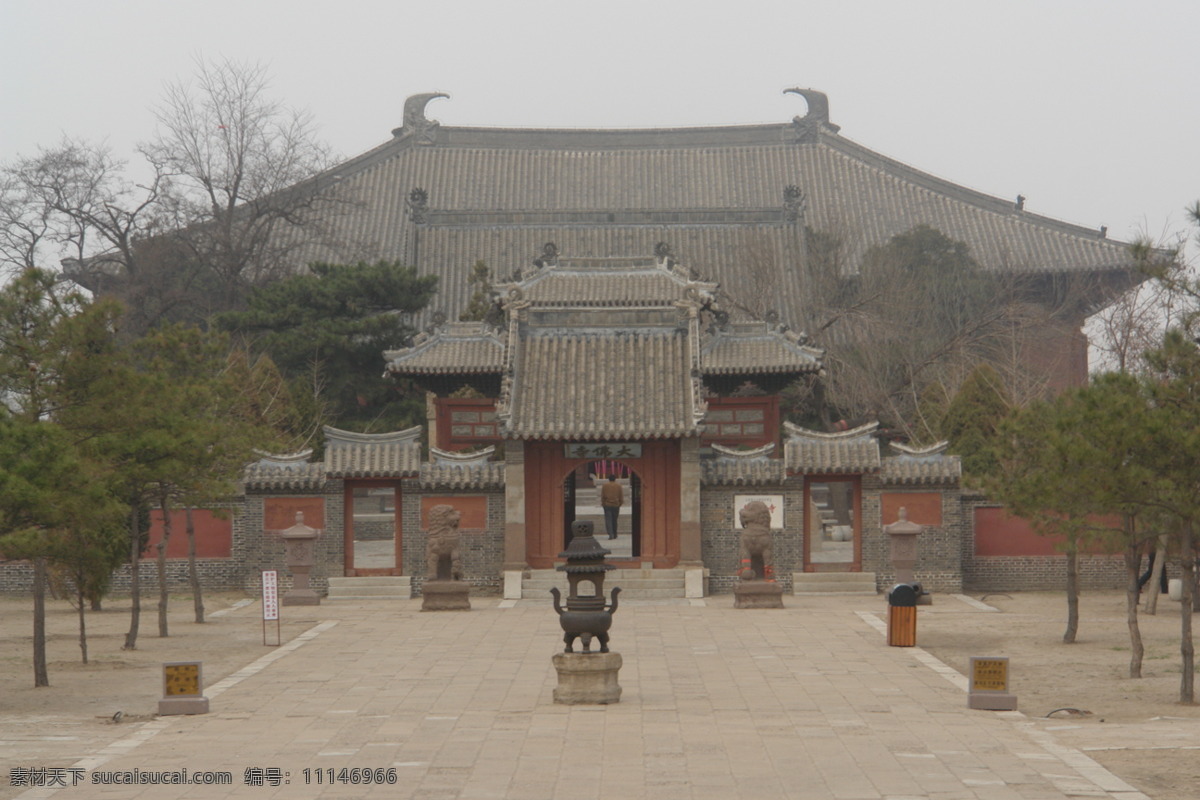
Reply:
x=801, y=702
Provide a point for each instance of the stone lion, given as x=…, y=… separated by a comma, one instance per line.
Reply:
x=756, y=545
x=444, y=561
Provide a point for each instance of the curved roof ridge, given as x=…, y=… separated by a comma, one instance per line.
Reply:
x=936, y=448
x=862, y=430
x=338, y=436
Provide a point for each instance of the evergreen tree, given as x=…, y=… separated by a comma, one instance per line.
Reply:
x=327, y=331
x=57, y=502
x=972, y=420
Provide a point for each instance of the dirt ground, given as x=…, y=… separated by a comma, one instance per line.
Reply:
x=1135, y=728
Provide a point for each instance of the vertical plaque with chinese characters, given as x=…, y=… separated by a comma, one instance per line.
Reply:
x=270, y=591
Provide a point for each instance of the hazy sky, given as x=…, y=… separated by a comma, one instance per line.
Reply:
x=1089, y=109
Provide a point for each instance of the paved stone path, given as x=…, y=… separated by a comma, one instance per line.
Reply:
x=805, y=702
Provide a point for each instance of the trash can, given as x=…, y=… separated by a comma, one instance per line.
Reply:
x=902, y=614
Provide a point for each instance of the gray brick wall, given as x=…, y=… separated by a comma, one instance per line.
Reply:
x=939, y=547
x=256, y=551
x=482, y=553
x=719, y=539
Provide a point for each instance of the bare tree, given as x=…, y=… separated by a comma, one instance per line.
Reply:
x=24, y=224
x=245, y=194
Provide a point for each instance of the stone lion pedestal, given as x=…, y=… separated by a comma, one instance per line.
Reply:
x=587, y=678
x=444, y=588
x=757, y=594
x=754, y=590
x=445, y=596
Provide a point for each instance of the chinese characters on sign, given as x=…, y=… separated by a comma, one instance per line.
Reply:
x=603, y=450
x=989, y=674
x=181, y=679
x=988, y=690
x=270, y=594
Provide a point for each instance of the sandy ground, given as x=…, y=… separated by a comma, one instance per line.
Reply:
x=1135, y=728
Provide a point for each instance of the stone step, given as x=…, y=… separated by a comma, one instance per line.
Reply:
x=636, y=584
x=824, y=583
x=372, y=580
x=375, y=586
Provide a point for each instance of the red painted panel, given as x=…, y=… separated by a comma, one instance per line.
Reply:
x=472, y=510
x=214, y=535
x=924, y=508
x=279, y=513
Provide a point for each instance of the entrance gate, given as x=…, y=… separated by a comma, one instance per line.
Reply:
x=583, y=502
x=371, y=528
x=655, y=499
x=833, y=525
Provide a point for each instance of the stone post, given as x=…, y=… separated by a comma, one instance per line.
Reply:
x=903, y=536
x=299, y=555
x=514, y=518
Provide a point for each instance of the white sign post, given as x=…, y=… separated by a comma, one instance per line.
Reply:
x=270, y=603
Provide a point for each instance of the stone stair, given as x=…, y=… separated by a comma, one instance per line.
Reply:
x=370, y=588
x=827, y=583
x=636, y=584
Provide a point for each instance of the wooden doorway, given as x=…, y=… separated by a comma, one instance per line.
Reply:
x=372, y=529
x=833, y=524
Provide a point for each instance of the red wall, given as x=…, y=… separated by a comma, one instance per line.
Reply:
x=214, y=536
x=998, y=533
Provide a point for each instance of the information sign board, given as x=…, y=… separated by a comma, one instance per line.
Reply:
x=270, y=590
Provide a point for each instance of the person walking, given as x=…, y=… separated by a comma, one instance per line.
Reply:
x=612, y=497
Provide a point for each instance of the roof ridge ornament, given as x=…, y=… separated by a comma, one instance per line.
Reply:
x=417, y=127
x=795, y=203
x=549, y=256
x=417, y=204
x=809, y=127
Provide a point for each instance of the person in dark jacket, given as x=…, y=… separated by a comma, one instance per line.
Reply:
x=612, y=497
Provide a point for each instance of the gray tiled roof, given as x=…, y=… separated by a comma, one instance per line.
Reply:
x=921, y=469
x=640, y=283
x=462, y=476
x=458, y=348
x=602, y=386
x=757, y=347
x=372, y=455
x=924, y=465
x=265, y=476
x=712, y=193
x=809, y=452
x=742, y=472
x=279, y=472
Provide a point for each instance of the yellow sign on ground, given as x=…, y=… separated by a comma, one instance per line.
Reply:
x=181, y=679
x=989, y=674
